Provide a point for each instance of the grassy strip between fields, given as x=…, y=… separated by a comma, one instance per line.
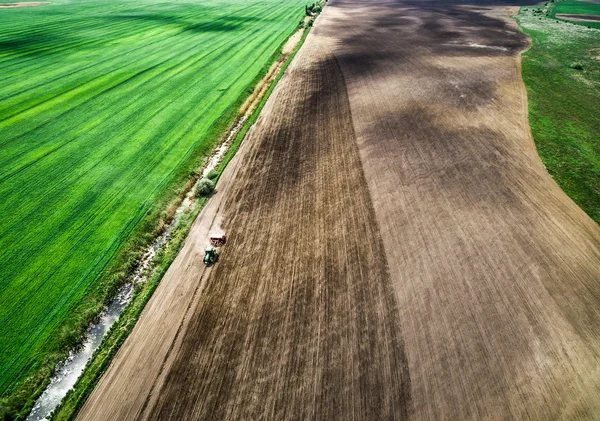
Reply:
x=561, y=72
x=102, y=357
x=18, y=403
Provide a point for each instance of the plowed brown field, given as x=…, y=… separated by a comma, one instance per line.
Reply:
x=396, y=248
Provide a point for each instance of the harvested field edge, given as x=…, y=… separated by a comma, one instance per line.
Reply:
x=125, y=259
x=102, y=357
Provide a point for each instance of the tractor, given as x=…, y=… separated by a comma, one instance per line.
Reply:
x=210, y=256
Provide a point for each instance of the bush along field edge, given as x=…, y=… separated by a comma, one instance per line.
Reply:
x=18, y=403
x=101, y=359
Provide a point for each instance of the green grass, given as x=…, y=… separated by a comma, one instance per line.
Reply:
x=564, y=102
x=574, y=7
x=104, y=107
x=577, y=7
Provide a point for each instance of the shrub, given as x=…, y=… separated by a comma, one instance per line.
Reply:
x=311, y=9
x=204, y=187
x=69, y=336
x=212, y=174
x=576, y=65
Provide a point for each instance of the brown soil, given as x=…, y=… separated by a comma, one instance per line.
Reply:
x=496, y=271
x=22, y=4
x=395, y=249
x=579, y=18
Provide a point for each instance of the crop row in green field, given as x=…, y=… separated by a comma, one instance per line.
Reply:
x=561, y=71
x=103, y=106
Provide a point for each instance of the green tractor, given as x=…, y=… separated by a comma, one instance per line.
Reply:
x=210, y=256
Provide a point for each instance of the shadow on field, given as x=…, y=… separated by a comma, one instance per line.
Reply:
x=325, y=325
x=32, y=42
x=221, y=24
x=422, y=30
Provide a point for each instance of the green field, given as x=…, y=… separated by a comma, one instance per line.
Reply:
x=564, y=100
x=104, y=106
x=575, y=8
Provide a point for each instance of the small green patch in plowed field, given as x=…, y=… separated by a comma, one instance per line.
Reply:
x=561, y=71
x=104, y=105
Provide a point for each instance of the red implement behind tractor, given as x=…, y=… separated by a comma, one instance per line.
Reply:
x=218, y=240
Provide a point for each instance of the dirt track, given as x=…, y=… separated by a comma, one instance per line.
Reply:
x=22, y=4
x=578, y=18
x=396, y=249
